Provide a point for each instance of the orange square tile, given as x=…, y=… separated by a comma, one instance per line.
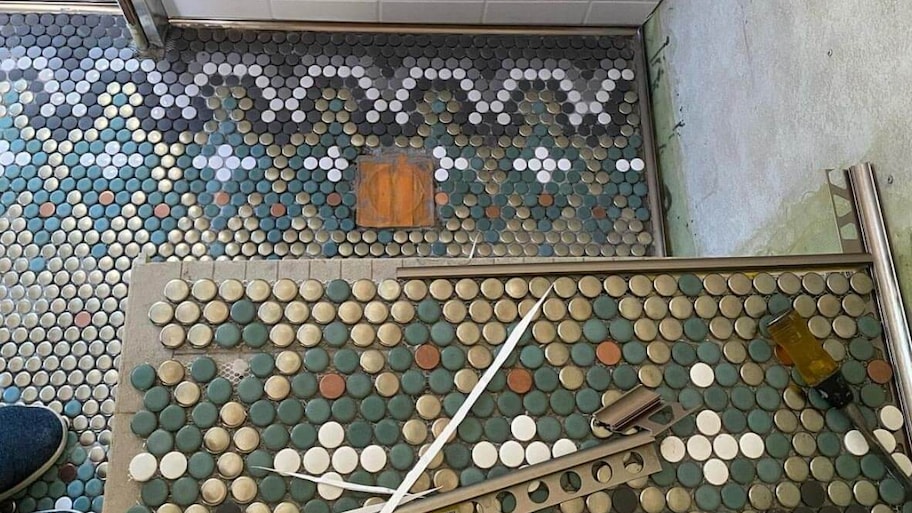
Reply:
x=395, y=192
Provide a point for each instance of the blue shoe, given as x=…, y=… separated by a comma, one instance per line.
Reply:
x=32, y=438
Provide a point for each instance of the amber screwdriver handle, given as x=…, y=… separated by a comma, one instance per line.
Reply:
x=819, y=370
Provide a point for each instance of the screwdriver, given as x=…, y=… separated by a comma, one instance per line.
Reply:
x=821, y=372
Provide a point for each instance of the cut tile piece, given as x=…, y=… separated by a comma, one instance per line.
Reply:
x=395, y=192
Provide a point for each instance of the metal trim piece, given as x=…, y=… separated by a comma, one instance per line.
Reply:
x=533, y=268
x=133, y=24
x=60, y=7
x=637, y=408
x=847, y=227
x=653, y=182
x=317, y=26
x=634, y=404
x=147, y=21
x=517, y=481
x=153, y=19
x=889, y=298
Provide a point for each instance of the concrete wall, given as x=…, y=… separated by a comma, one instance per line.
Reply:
x=754, y=98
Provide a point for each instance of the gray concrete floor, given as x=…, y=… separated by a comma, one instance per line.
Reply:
x=754, y=98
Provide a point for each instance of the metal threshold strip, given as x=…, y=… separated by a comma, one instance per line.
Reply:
x=848, y=261
x=318, y=26
x=107, y=8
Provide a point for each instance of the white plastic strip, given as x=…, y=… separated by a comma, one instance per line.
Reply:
x=505, y=350
x=375, y=508
x=474, y=244
x=345, y=485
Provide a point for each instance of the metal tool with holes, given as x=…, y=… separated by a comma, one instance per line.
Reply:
x=640, y=408
x=615, y=462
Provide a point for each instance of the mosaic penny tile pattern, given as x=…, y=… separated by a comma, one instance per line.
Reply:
x=352, y=379
x=245, y=145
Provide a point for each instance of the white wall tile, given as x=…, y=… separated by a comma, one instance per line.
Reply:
x=325, y=10
x=510, y=12
x=423, y=11
x=222, y=9
x=500, y=12
x=629, y=12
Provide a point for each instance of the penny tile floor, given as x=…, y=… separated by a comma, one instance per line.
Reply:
x=352, y=379
x=242, y=145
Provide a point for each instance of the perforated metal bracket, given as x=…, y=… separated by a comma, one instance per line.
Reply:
x=615, y=462
x=640, y=408
x=844, y=210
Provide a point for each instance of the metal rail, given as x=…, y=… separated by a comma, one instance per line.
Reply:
x=829, y=261
x=316, y=26
x=889, y=299
x=541, y=471
x=109, y=8
x=654, y=184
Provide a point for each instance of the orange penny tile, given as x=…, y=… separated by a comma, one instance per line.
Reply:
x=47, y=209
x=277, y=209
x=880, y=371
x=162, y=210
x=332, y=386
x=608, y=353
x=83, y=319
x=519, y=380
x=427, y=357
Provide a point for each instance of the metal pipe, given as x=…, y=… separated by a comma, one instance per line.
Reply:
x=133, y=23
x=889, y=299
x=656, y=212
x=533, y=268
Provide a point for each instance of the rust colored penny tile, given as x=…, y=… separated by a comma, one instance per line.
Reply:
x=162, y=210
x=492, y=212
x=545, y=200
x=519, y=381
x=334, y=199
x=880, y=371
x=427, y=357
x=332, y=386
x=47, y=209
x=106, y=198
x=441, y=198
x=277, y=209
x=83, y=319
x=599, y=213
x=608, y=353
x=67, y=473
x=221, y=198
